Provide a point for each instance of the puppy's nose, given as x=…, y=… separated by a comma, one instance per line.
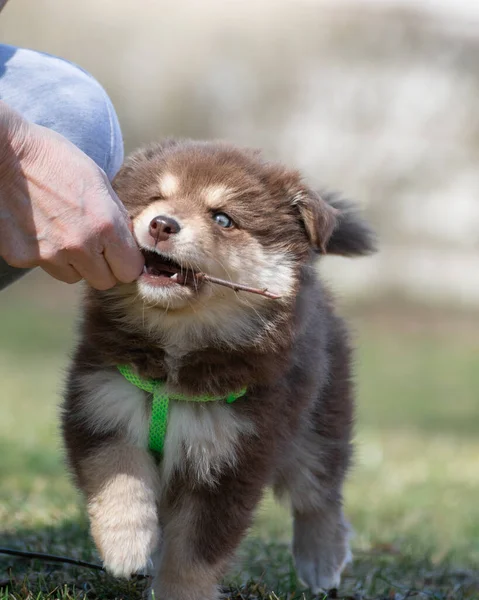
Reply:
x=162, y=227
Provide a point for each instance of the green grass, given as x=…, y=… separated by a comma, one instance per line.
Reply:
x=413, y=497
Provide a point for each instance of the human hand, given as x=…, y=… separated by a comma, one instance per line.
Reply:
x=58, y=210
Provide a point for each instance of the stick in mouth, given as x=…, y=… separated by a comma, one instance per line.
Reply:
x=165, y=270
x=236, y=286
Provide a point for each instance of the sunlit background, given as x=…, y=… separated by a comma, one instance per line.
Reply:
x=379, y=100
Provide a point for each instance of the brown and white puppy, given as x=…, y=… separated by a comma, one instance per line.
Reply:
x=212, y=208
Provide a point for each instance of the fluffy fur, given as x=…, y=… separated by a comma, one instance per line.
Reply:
x=292, y=429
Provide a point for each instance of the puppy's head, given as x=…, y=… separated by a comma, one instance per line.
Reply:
x=214, y=209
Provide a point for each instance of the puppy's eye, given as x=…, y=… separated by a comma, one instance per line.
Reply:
x=223, y=220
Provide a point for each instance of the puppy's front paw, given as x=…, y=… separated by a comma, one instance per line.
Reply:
x=125, y=534
x=127, y=550
x=124, y=519
x=321, y=551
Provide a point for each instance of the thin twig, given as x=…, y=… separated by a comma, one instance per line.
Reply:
x=236, y=286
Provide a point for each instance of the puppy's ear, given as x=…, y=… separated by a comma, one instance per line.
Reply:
x=318, y=217
x=352, y=235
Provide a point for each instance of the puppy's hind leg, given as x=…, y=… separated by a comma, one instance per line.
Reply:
x=313, y=479
x=321, y=547
x=320, y=530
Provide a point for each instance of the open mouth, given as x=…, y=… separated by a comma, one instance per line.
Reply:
x=161, y=270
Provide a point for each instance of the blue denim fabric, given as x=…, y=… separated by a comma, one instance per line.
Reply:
x=52, y=92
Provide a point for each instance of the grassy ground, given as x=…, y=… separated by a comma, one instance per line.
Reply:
x=413, y=497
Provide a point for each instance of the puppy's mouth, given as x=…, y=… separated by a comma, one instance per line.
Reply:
x=162, y=271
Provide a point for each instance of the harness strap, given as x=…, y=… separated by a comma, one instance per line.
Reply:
x=160, y=404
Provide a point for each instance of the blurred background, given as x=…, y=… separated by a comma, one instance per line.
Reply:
x=378, y=100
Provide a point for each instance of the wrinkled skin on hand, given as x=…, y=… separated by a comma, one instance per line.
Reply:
x=58, y=210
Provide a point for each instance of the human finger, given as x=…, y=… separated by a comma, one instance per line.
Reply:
x=63, y=272
x=95, y=270
x=123, y=254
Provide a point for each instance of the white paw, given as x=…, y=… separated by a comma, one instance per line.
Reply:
x=128, y=551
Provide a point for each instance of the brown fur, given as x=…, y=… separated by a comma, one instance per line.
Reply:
x=291, y=430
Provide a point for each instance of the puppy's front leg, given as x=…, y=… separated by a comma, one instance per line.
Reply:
x=202, y=528
x=120, y=482
x=183, y=572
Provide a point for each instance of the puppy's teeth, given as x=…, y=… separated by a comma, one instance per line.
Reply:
x=175, y=277
x=144, y=269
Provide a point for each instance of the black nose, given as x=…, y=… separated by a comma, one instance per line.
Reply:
x=162, y=227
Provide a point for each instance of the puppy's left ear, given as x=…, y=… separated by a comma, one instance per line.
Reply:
x=318, y=217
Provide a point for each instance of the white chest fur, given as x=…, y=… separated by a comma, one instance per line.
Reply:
x=201, y=436
x=204, y=436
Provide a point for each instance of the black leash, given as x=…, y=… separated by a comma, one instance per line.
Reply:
x=50, y=558
x=56, y=559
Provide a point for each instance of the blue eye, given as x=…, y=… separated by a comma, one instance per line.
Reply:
x=223, y=220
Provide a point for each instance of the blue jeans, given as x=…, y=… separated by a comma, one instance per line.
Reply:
x=52, y=92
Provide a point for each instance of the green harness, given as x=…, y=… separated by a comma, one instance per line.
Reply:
x=160, y=404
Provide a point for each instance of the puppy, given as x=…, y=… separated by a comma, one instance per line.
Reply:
x=202, y=207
